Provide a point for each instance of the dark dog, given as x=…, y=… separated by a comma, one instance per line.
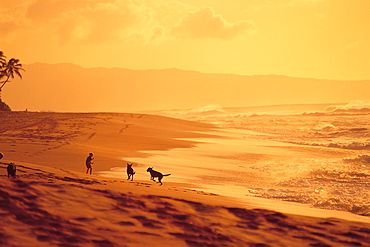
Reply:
x=130, y=172
x=11, y=170
x=155, y=174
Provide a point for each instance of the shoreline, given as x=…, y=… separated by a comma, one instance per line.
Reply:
x=197, y=192
x=48, y=206
x=146, y=140
x=53, y=202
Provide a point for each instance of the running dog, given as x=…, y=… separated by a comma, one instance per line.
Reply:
x=130, y=172
x=155, y=174
x=11, y=170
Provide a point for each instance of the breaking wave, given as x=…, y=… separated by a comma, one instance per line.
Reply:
x=357, y=106
x=212, y=109
x=337, y=138
x=335, y=189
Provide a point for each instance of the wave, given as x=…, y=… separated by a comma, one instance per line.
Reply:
x=362, y=159
x=333, y=189
x=215, y=110
x=212, y=109
x=326, y=127
x=357, y=106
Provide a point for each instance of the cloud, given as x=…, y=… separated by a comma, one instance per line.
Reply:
x=204, y=23
x=46, y=10
x=80, y=21
x=91, y=22
x=273, y=4
x=83, y=21
x=113, y=22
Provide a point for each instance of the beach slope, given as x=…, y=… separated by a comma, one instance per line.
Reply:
x=46, y=206
x=52, y=202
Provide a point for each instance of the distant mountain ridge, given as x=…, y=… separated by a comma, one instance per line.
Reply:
x=70, y=87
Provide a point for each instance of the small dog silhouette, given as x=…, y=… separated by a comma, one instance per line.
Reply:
x=11, y=170
x=155, y=174
x=130, y=172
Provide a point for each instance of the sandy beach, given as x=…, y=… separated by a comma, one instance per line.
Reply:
x=184, y=123
x=52, y=202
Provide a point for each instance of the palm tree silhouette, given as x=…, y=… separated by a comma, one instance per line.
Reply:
x=2, y=59
x=8, y=70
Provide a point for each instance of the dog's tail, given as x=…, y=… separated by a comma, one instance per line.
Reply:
x=166, y=174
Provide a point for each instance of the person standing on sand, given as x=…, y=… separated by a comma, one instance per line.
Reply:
x=89, y=162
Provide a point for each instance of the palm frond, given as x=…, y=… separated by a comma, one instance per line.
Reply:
x=18, y=73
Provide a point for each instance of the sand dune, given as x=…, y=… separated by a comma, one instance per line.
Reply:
x=64, y=139
x=53, y=202
x=55, y=207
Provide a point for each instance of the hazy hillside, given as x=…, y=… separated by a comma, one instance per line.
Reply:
x=68, y=87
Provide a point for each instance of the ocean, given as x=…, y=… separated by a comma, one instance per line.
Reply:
x=311, y=154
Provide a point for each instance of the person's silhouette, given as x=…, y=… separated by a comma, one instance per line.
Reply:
x=89, y=162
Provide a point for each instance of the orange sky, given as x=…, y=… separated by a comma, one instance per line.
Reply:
x=327, y=39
